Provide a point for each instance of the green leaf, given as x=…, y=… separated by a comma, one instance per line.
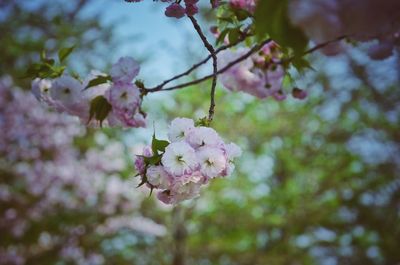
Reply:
x=227, y=19
x=144, y=181
x=100, y=79
x=64, y=53
x=301, y=64
x=203, y=122
x=234, y=35
x=140, y=84
x=158, y=145
x=271, y=18
x=242, y=14
x=33, y=70
x=154, y=160
x=222, y=36
x=99, y=109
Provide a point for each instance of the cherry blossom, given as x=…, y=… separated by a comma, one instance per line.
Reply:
x=125, y=70
x=249, y=5
x=179, y=129
x=179, y=158
x=45, y=176
x=258, y=75
x=212, y=161
x=175, y=10
x=358, y=20
x=194, y=156
x=73, y=96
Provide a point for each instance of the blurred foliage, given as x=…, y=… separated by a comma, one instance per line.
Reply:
x=29, y=27
x=318, y=182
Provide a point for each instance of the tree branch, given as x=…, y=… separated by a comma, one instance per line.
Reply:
x=315, y=48
x=220, y=71
x=242, y=37
x=211, y=49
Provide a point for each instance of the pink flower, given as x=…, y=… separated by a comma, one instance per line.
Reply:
x=299, y=93
x=191, y=9
x=249, y=5
x=212, y=161
x=203, y=136
x=258, y=75
x=175, y=10
x=179, y=158
x=279, y=95
x=158, y=177
x=124, y=96
x=125, y=70
x=179, y=129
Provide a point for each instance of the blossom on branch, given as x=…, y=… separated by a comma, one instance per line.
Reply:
x=259, y=75
x=358, y=20
x=178, y=170
x=109, y=100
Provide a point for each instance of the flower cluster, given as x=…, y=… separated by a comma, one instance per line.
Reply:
x=194, y=156
x=113, y=99
x=45, y=178
x=259, y=75
x=248, y=5
x=176, y=10
x=358, y=20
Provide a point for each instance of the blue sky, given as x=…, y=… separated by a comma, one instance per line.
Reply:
x=164, y=41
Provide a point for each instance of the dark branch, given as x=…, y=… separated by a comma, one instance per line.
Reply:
x=211, y=49
x=242, y=37
x=220, y=71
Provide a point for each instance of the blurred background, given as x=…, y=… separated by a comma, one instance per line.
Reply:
x=318, y=181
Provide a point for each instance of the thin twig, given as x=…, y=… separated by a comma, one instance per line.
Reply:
x=242, y=58
x=220, y=71
x=211, y=49
x=242, y=37
x=315, y=48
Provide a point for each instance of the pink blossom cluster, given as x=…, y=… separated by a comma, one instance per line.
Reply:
x=194, y=156
x=248, y=5
x=258, y=75
x=45, y=178
x=177, y=11
x=366, y=20
x=73, y=96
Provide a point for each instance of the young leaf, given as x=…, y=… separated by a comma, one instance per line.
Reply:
x=222, y=36
x=242, y=14
x=100, y=79
x=99, y=109
x=234, y=35
x=64, y=53
x=271, y=18
x=158, y=145
x=144, y=181
x=154, y=160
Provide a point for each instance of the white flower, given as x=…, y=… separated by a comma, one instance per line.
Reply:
x=212, y=161
x=158, y=177
x=203, y=136
x=124, y=96
x=125, y=70
x=41, y=88
x=66, y=90
x=187, y=187
x=232, y=151
x=179, y=129
x=179, y=158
